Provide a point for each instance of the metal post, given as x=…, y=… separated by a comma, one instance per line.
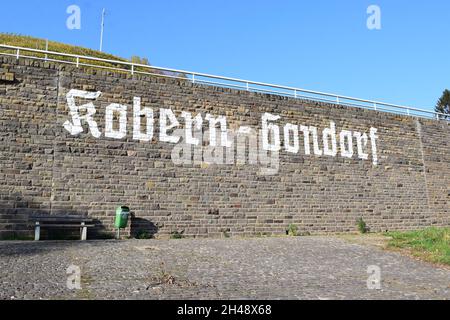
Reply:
x=46, y=49
x=375, y=106
x=83, y=232
x=101, y=30
x=337, y=99
x=295, y=93
x=37, y=231
x=18, y=54
x=78, y=62
x=132, y=69
x=247, y=86
x=193, y=78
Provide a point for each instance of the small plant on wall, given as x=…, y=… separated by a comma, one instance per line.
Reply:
x=362, y=226
x=292, y=230
x=144, y=235
x=176, y=235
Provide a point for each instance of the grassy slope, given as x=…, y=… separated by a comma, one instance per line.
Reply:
x=431, y=244
x=36, y=43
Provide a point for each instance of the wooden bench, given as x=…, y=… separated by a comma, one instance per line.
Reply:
x=66, y=221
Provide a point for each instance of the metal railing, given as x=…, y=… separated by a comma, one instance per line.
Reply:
x=208, y=79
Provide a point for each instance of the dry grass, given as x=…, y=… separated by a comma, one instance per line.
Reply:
x=36, y=43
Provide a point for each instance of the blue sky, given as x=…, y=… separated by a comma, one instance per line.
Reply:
x=321, y=45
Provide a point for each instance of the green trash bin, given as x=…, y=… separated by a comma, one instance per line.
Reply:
x=122, y=214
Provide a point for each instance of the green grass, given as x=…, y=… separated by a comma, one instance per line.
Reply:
x=431, y=244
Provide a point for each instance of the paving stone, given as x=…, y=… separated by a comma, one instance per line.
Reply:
x=257, y=268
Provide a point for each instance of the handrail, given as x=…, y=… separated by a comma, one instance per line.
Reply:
x=248, y=85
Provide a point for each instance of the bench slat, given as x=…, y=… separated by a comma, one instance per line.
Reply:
x=66, y=225
x=61, y=218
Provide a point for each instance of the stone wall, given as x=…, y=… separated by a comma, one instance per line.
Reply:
x=45, y=169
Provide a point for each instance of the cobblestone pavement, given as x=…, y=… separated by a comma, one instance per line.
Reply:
x=261, y=268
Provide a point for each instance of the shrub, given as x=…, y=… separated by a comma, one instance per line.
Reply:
x=176, y=235
x=143, y=235
x=292, y=230
x=362, y=226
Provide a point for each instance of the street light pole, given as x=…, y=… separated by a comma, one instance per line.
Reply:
x=102, y=27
